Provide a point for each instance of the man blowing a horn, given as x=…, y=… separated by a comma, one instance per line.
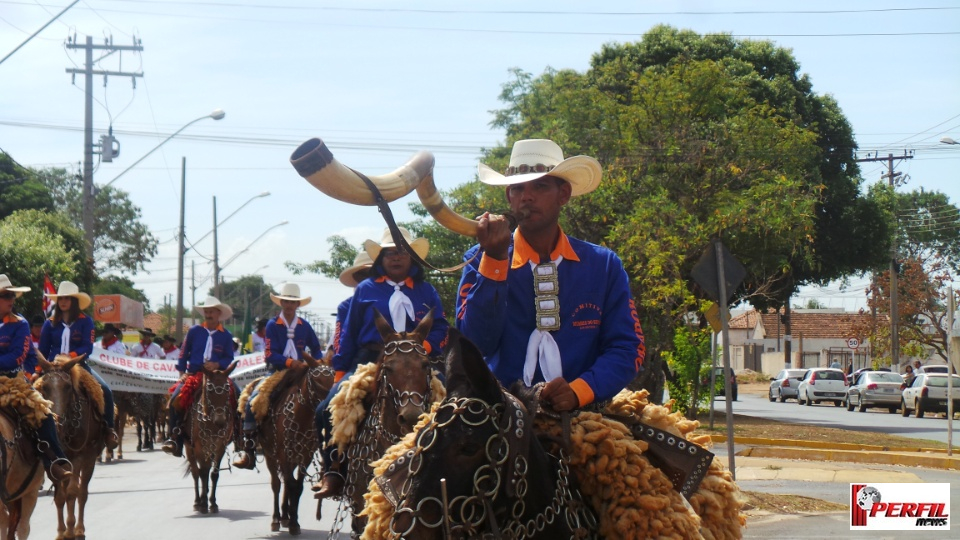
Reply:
x=540, y=305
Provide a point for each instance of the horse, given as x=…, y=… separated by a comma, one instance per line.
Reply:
x=478, y=469
x=78, y=405
x=143, y=409
x=401, y=393
x=208, y=428
x=288, y=436
x=21, y=474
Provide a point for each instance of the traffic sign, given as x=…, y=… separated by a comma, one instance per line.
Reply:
x=853, y=342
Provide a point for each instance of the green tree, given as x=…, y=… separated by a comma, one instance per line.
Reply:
x=121, y=240
x=28, y=251
x=55, y=225
x=21, y=189
x=341, y=258
x=244, y=291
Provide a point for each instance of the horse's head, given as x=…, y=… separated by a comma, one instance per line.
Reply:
x=58, y=383
x=403, y=379
x=317, y=376
x=217, y=392
x=477, y=445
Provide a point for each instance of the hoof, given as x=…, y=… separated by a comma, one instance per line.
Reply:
x=285, y=522
x=295, y=529
x=200, y=508
x=274, y=526
x=214, y=509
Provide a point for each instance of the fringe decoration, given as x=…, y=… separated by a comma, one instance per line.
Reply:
x=188, y=392
x=245, y=395
x=18, y=395
x=261, y=403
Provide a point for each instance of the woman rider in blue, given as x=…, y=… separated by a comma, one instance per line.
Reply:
x=398, y=291
x=69, y=331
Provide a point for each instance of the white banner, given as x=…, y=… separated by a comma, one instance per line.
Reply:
x=156, y=375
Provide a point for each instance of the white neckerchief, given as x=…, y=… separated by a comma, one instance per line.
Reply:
x=290, y=350
x=65, y=338
x=208, y=348
x=542, y=349
x=400, y=307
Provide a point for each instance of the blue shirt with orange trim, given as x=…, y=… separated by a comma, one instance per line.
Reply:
x=342, y=310
x=600, y=339
x=191, y=354
x=16, y=347
x=276, y=340
x=374, y=293
x=81, y=337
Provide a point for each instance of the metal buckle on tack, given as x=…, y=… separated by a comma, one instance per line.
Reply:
x=546, y=287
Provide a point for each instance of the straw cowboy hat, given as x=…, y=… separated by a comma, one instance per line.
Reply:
x=213, y=302
x=361, y=262
x=420, y=245
x=6, y=286
x=535, y=158
x=290, y=291
x=69, y=288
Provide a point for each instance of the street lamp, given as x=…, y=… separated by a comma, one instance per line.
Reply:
x=215, y=225
x=948, y=140
x=216, y=266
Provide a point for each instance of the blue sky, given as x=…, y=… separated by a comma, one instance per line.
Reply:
x=381, y=80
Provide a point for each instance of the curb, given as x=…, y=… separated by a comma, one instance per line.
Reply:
x=855, y=456
x=758, y=441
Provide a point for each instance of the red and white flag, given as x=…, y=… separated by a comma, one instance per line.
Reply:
x=48, y=288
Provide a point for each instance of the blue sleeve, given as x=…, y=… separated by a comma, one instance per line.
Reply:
x=228, y=356
x=185, y=352
x=343, y=360
x=313, y=342
x=20, y=346
x=86, y=336
x=275, y=336
x=481, y=307
x=46, y=340
x=438, y=332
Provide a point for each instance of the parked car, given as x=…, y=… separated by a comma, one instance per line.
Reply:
x=857, y=373
x=822, y=384
x=784, y=385
x=928, y=393
x=941, y=368
x=875, y=389
x=721, y=387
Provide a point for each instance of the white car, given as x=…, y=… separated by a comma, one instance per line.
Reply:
x=822, y=384
x=928, y=393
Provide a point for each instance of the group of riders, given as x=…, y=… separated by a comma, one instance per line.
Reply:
x=542, y=307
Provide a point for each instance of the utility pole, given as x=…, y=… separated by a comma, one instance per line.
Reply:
x=180, y=251
x=216, y=258
x=88, y=72
x=893, y=177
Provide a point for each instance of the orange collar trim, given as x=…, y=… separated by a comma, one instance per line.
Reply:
x=296, y=320
x=408, y=282
x=11, y=317
x=522, y=252
x=219, y=326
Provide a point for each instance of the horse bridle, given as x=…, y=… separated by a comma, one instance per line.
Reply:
x=504, y=448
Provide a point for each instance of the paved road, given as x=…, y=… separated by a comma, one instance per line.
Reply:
x=827, y=415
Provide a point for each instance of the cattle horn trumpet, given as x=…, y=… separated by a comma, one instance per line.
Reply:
x=314, y=161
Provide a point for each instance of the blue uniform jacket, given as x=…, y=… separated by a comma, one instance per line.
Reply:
x=191, y=354
x=359, y=328
x=342, y=310
x=81, y=337
x=600, y=339
x=16, y=347
x=276, y=338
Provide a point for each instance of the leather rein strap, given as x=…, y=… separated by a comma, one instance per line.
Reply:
x=398, y=238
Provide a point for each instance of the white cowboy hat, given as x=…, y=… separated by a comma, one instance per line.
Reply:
x=69, y=288
x=290, y=291
x=5, y=285
x=536, y=158
x=213, y=302
x=420, y=245
x=361, y=262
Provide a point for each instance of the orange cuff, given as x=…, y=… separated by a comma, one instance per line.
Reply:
x=491, y=268
x=338, y=375
x=583, y=391
x=289, y=362
x=73, y=355
x=427, y=346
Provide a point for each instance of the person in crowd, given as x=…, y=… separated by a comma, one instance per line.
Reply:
x=169, y=345
x=208, y=341
x=36, y=325
x=541, y=306
x=398, y=291
x=146, y=348
x=110, y=340
x=70, y=331
x=351, y=277
x=917, y=365
x=287, y=338
x=258, y=337
x=908, y=375
x=16, y=351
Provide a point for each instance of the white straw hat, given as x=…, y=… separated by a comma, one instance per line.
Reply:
x=531, y=159
x=213, y=302
x=5, y=285
x=420, y=245
x=290, y=291
x=69, y=288
x=361, y=262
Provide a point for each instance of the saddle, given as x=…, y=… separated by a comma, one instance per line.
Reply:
x=16, y=394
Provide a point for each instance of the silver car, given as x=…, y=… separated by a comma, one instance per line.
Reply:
x=784, y=385
x=875, y=389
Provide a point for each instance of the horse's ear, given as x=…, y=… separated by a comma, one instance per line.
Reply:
x=387, y=333
x=423, y=328
x=467, y=373
x=45, y=366
x=231, y=367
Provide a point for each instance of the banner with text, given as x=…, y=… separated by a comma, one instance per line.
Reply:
x=156, y=375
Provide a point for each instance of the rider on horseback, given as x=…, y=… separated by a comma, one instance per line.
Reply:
x=17, y=356
x=71, y=332
x=286, y=338
x=398, y=291
x=208, y=341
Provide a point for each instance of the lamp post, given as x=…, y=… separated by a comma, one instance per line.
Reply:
x=217, y=268
x=948, y=140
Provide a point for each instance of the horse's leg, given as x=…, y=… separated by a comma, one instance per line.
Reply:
x=12, y=520
x=140, y=444
x=205, y=490
x=294, y=483
x=275, y=486
x=28, y=502
x=80, y=529
x=195, y=471
x=60, y=499
x=214, y=478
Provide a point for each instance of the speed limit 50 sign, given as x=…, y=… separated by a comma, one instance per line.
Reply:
x=853, y=342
